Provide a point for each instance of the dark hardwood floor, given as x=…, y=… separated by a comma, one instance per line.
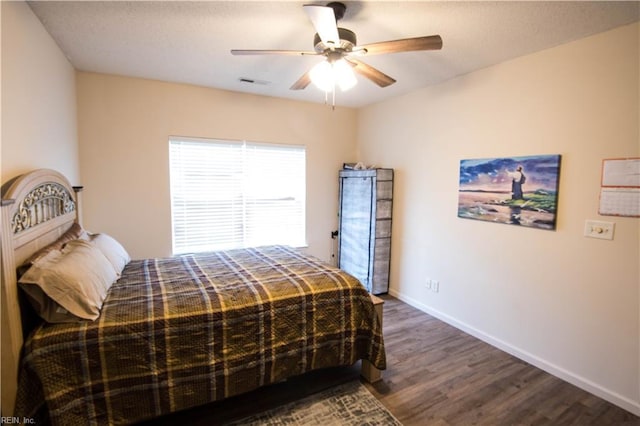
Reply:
x=437, y=375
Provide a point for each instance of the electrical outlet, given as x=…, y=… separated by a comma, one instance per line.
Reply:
x=427, y=284
x=433, y=285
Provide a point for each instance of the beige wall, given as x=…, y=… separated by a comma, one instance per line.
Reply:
x=38, y=120
x=555, y=298
x=124, y=126
x=38, y=98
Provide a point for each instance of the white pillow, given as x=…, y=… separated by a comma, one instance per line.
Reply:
x=112, y=250
x=77, y=278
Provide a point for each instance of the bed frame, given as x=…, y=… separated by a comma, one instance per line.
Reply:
x=37, y=208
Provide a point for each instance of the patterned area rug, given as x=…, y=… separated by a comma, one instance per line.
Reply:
x=350, y=404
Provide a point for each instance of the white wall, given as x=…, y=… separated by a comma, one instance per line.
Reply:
x=38, y=98
x=562, y=301
x=124, y=126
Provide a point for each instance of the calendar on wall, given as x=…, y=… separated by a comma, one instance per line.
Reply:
x=620, y=187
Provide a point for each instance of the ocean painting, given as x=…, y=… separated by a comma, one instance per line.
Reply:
x=513, y=190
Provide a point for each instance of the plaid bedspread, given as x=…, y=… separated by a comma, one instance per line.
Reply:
x=179, y=332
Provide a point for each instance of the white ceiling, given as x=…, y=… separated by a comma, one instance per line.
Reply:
x=189, y=42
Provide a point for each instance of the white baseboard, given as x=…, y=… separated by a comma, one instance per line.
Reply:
x=568, y=376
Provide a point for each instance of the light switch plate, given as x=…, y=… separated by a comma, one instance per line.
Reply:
x=599, y=229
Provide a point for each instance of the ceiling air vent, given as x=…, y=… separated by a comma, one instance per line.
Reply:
x=253, y=81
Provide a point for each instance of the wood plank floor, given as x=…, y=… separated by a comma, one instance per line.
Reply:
x=437, y=375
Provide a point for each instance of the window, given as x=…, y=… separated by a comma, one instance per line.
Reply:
x=228, y=194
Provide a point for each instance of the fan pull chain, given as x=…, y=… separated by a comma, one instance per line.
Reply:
x=333, y=100
x=333, y=97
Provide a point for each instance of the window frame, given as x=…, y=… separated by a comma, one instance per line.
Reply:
x=252, y=212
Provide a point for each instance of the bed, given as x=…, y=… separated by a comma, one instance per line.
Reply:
x=171, y=333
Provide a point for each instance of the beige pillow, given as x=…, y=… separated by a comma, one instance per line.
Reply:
x=73, y=233
x=112, y=250
x=76, y=278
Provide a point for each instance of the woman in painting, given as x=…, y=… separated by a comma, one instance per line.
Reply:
x=517, y=179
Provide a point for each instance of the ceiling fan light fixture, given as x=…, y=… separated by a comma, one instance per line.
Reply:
x=327, y=75
x=339, y=47
x=344, y=75
x=322, y=76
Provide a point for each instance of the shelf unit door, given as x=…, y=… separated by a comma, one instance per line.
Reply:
x=357, y=214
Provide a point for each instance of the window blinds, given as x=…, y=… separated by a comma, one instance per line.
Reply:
x=228, y=194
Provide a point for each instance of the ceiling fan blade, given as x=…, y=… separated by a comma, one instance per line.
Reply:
x=378, y=77
x=324, y=21
x=302, y=82
x=433, y=42
x=271, y=52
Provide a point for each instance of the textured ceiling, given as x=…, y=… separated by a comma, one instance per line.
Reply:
x=189, y=42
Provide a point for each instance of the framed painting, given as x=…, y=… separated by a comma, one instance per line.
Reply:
x=512, y=190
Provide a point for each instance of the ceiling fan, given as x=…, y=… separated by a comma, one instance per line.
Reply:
x=340, y=47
